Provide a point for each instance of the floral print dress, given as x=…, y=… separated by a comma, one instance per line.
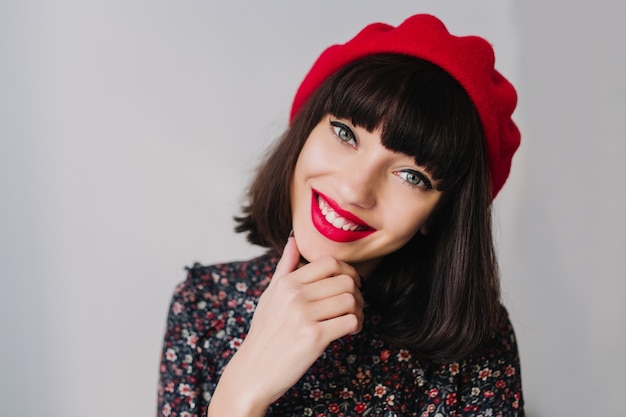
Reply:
x=357, y=375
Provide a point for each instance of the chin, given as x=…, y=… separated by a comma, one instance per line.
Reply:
x=313, y=249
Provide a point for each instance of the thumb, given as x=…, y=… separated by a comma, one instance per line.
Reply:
x=289, y=260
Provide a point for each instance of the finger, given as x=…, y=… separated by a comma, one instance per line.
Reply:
x=341, y=326
x=324, y=268
x=336, y=306
x=289, y=260
x=330, y=287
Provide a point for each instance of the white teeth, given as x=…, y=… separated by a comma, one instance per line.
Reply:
x=335, y=219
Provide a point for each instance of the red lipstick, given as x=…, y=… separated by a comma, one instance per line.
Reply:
x=331, y=232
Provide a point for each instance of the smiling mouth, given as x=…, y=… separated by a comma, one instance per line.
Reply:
x=334, y=223
x=336, y=220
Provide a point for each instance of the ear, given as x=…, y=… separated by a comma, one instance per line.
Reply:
x=428, y=225
x=431, y=222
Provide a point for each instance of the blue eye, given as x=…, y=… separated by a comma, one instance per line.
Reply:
x=343, y=132
x=415, y=179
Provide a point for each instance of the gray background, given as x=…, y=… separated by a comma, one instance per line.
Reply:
x=129, y=129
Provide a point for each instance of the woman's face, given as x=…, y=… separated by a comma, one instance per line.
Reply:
x=354, y=199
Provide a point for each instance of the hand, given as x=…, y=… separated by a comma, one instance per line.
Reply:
x=298, y=315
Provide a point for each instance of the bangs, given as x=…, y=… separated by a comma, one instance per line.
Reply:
x=421, y=110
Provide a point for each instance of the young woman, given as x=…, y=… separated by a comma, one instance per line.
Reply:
x=379, y=293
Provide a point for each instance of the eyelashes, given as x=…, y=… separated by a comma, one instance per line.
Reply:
x=415, y=179
x=411, y=177
x=343, y=133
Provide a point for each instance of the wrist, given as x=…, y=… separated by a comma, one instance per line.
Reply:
x=239, y=406
x=237, y=393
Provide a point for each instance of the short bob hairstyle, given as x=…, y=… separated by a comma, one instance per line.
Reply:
x=437, y=296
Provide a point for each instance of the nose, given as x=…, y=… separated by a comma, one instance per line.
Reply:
x=358, y=184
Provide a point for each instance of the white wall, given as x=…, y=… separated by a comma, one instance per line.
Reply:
x=128, y=130
x=566, y=245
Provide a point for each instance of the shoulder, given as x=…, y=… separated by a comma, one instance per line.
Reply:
x=255, y=272
x=488, y=381
x=210, y=291
x=500, y=346
x=502, y=343
x=491, y=376
x=212, y=283
x=207, y=320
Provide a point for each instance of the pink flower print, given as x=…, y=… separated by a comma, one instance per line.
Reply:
x=316, y=394
x=170, y=355
x=192, y=340
x=235, y=343
x=484, y=374
x=380, y=390
x=248, y=306
x=454, y=368
x=177, y=308
x=167, y=410
x=241, y=287
x=346, y=393
x=509, y=370
x=185, y=389
x=333, y=408
x=404, y=355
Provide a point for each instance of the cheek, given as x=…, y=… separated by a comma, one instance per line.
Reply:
x=298, y=195
x=406, y=222
x=406, y=233
x=299, y=174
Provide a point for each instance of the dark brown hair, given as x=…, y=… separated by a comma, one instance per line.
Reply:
x=438, y=295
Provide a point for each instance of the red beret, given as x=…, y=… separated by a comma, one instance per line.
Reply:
x=469, y=59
